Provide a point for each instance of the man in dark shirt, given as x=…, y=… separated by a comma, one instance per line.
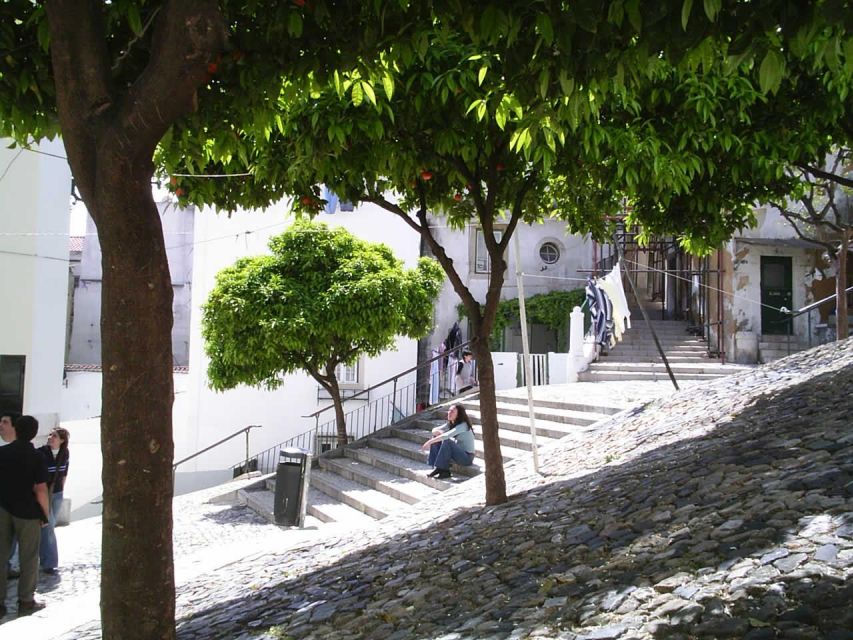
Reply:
x=23, y=505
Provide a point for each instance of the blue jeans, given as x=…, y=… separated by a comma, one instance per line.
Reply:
x=449, y=451
x=48, y=551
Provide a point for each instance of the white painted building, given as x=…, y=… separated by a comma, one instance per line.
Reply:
x=219, y=240
x=35, y=191
x=551, y=260
x=85, y=331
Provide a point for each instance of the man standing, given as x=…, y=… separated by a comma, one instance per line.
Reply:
x=23, y=505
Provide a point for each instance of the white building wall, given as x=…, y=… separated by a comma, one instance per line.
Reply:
x=575, y=254
x=34, y=207
x=743, y=309
x=219, y=240
x=85, y=339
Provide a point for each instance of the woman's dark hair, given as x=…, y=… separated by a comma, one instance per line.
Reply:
x=461, y=416
x=63, y=436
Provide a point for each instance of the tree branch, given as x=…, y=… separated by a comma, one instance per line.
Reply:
x=188, y=35
x=79, y=58
x=832, y=177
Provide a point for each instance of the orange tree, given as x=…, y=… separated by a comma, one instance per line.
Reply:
x=321, y=299
x=212, y=83
x=509, y=114
x=112, y=78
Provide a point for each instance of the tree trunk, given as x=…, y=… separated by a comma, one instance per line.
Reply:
x=495, y=480
x=340, y=420
x=137, y=577
x=841, y=323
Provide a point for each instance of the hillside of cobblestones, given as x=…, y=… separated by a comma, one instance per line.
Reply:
x=722, y=511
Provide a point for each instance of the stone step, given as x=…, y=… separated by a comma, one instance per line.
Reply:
x=665, y=344
x=412, y=450
x=612, y=376
x=520, y=422
x=374, y=503
x=769, y=355
x=403, y=466
x=568, y=417
x=407, y=490
x=654, y=357
x=609, y=409
x=328, y=509
x=709, y=367
x=262, y=501
x=513, y=443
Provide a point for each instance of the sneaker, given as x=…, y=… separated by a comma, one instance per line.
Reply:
x=51, y=571
x=26, y=607
x=433, y=473
x=443, y=474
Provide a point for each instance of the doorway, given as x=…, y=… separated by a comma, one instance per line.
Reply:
x=776, y=292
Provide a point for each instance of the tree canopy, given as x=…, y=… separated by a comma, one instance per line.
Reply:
x=322, y=298
x=212, y=83
x=577, y=114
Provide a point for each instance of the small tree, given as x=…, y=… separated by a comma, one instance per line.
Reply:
x=821, y=212
x=322, y=299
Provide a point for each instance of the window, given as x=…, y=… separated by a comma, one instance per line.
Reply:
x=347, y=374
x=482, y=262
x=12, y=383
x=549, y=252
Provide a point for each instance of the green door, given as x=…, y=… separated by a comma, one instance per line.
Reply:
x=776, y=292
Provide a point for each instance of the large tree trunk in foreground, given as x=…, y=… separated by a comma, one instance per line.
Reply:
x=111, y=130
x=136, y=415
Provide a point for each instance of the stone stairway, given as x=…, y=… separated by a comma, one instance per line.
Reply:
x=772, y=347
x=636, y=357
x=387, y=471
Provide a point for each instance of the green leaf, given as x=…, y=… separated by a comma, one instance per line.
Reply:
x=545, y=27
x=368, y=92
x=357, y=94
x=388, y=85
x=294, y=24
x=771, y=72
x=632, y=8
x=712, y=8
x=133, y=19
x=482, y=75
x=685, y=13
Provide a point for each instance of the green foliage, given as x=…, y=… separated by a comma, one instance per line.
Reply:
x=324, y=297
x=549, y=309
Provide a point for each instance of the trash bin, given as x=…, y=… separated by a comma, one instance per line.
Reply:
x=291, y=486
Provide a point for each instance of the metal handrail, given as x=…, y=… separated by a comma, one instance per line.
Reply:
x=814, y=305
x=245, y=430
x=393, y=378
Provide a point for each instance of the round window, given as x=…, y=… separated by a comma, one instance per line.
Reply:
x=549, y=252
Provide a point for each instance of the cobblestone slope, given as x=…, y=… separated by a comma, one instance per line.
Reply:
x=722, y=511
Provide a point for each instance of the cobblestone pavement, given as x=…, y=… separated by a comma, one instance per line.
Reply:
x=721, y=511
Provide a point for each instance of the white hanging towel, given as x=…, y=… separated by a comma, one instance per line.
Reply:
x=612, y=285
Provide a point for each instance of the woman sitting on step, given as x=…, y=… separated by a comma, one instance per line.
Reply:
x=452, y=442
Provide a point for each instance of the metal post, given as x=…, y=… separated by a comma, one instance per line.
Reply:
x=528, y=374
x=248, y=429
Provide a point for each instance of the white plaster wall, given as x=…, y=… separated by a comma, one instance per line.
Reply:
x=221, y=239
x=575, y=253
x=85, y=341
x=34, y=210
